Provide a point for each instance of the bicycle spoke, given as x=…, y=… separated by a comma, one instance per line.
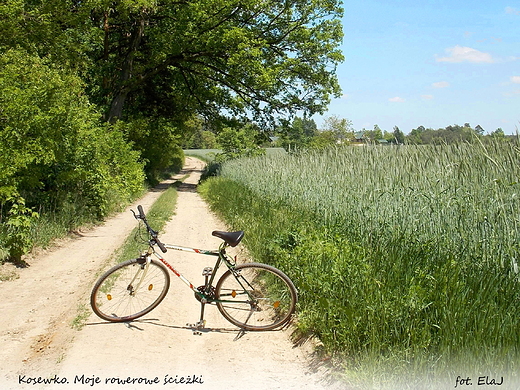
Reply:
x=130, y=290
x=271, y=297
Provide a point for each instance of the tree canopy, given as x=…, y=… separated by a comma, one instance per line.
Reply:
x=253, y=58
x=256, y=57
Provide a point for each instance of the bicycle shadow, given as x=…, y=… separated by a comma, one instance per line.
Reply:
x=134, y=325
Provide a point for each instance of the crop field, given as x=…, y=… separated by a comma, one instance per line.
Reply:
x=405, y=258
x=209, y=154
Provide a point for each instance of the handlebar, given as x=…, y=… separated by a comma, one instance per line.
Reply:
x=153, y=233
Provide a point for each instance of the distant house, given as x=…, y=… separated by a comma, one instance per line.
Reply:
x=359, y=137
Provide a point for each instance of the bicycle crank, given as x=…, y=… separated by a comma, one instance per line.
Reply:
x=202, y=290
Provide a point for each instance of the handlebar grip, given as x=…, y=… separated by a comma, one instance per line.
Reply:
x=161, y=245
x=141, y=212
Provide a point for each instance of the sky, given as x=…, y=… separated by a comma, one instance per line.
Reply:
x=411, y=63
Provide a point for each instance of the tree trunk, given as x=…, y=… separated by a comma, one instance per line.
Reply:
x=123, y=89
x=116, y=107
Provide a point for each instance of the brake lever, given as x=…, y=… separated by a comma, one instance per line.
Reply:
x=135, y=215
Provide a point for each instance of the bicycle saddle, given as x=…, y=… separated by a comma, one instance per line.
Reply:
x=231, y=238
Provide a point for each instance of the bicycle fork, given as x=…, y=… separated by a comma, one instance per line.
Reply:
x=141, y=274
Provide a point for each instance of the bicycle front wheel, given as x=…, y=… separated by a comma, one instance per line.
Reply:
x=130, y=290
x=256, y=296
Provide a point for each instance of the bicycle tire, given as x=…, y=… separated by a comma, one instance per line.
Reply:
x=274, y=302
x=114, y=298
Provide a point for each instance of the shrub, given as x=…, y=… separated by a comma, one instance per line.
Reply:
x=157, y=141
x=55, y=151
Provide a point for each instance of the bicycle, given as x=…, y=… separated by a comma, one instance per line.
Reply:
x=252, y=296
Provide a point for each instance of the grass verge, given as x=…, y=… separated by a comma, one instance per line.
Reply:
x=160, y=213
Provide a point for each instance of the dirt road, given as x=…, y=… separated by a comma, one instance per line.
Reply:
x=159, y=351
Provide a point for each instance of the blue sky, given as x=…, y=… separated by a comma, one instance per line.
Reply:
x=430, y=63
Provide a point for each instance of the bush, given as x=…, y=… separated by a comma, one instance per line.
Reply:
x=157, y=141
x=55, y=151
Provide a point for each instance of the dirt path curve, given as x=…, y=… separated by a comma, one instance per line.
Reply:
x=158, y=350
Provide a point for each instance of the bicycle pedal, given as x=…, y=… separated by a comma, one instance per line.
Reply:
x=207, y=271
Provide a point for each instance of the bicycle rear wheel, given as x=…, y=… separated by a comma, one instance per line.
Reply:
x=130, y=290
x=256, y=297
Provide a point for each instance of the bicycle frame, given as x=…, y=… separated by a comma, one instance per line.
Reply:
x=203, y=294
x=222, y=257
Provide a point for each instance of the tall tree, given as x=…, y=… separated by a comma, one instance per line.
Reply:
x=341, y=128
x=263, y=58
x=297, y=135
x=398, y=135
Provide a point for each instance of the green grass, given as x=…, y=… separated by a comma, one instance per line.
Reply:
x=208, y=155
x=404, y=257
x=83, y=313
x=160, y=213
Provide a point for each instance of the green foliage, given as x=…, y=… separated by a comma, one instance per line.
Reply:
x=238, y=143
x=173, y=58
x=55, y=29
x=303, y=133
x=298, y=134
x=157, y=141
x=154, y=67
x=106, y=172
x=197, y=136
x=54, y=150
x=16, y=231
x=405, y=257
x=398, y=136
x=335, y=131
x=450, y=135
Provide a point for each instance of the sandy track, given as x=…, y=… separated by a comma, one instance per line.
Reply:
x=38, y=308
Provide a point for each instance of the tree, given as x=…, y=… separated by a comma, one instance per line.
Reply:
x=416, y=135
x=398, y=136
x=375, y=134
x=298, y=134
x=479, y=130
x=340, y=128
x=234, y=57
x=238, y=143
x=264, y=58
x=498, y=134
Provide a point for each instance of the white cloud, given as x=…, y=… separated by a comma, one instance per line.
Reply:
x=441, y=84
x=396, y=99
x=427, y=97
x=513, y=11
x=465, y=54
x=515, y=79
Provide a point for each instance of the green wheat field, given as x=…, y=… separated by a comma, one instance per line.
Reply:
x=405, y=257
